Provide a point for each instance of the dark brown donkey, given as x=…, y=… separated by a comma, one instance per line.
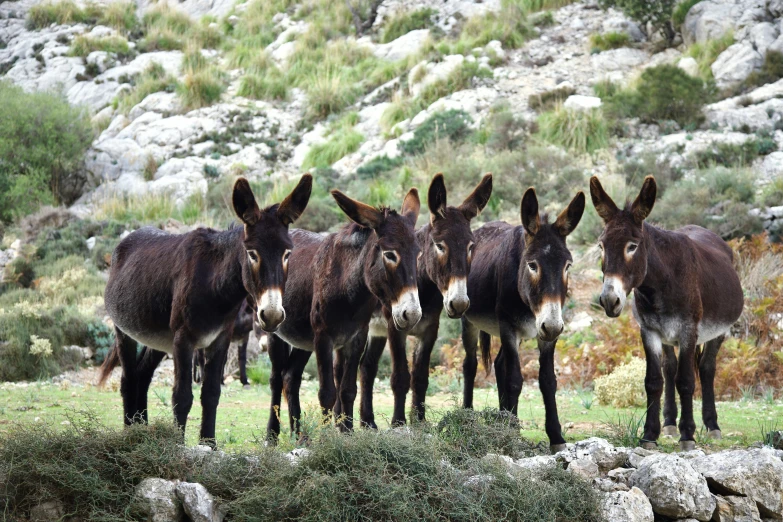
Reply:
x=446, y=245
x=334, y=285
x=243, y=325
x=180, y=293
x=517, y=286
x=686, y=293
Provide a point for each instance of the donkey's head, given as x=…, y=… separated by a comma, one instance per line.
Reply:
x=267, y=247
x=623, y=249
x=543, y=273
x=390, y=270
x=448, y=252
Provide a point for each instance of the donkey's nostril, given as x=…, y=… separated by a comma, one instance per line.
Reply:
x=405, y=315
x=543, y=328
x=263, y=315
x=617, y=302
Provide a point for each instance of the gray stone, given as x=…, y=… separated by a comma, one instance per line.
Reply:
x=404, y=46
x=689, y=65
x=619, y=59
x=620, y=24
x=755, y=473
x=158, y=499
x=627, y=506
x=709, y=20
x=763, y=35
x=585, y=468
x=606, y=456
x=198, y=504
x=674, y=487
x=46, y=511
x=735, y=64
x=579, y=102
x=735, y=509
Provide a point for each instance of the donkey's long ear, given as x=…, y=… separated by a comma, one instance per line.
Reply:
x=436, y=197
x=411, y=206
x=360, y=213
x=475, y=203
x=296, y=202
x=245, y=203
x=644, y=202
x=529, y=211
x=569, y=218
x=604, y=205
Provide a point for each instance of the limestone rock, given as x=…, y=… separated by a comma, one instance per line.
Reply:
x=627, y=506
x=674, y=487
x=198, y=504
x=579, y=102
x=158, y=500
x=404, y=46
x=585, y=468
x=735, y=64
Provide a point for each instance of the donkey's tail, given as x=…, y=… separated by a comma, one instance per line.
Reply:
x=484, y=345
x=110, y=363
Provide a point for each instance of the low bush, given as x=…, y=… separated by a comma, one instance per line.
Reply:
x=42, y=144
x=461, y=78
x=771, y=71
x=401, y=23
x=531, y=6
x=264, y=86
x=548, y=100
x=705, y=53
x=343, y=140
x=578, y=131
x=452, y=125
x=666, y=92
x=202, y=83
x=624, y=387
x=386, y=475
x=735, y=155
x=121, y=16
x=153, y=79
x=84, y=45
x=681, y=11
x=509, y=26
x=607, y=41
x=378, y=166
x=772, y=194
x=657, y=13
x=502, y=130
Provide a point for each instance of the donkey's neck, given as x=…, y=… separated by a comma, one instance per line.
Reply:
x=423, y=239
x=659, y=272
x=229, y=254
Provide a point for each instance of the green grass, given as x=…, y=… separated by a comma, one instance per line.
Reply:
x=167, y=28
x=62, y=13
x=343, y=140
x=121, y=16
x=707, y=52
x=681, y=11
x=459, y=79
x=509, y=26
x=402, y=23
x=771, y=71
x=608, y=41
x=577, y=131
x=84, y=45
x=532, y=6
x=263, y=87
x=202, y=83
x=153, y=79
x=151, y=208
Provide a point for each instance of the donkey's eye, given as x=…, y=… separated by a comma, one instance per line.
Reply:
x=286, y=255
x=471, y=247
x=533, y=267
x=567, y=267
x=390, y=257
x=441, y=248
x=631, y=248
x=253, y=256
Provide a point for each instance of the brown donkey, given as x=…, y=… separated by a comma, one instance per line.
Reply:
x=446, y=245
x=518, y=284
x=179, y=293
x=686, y=293
x=334, y=285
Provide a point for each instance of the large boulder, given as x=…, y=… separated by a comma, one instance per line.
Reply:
x=619, y=59
x=674, y=487
x=756, y=474
x=735, y=509
x=620, y=24
x=404, y=46
x=606, y=456
x=711, y=19
x=198, y=504
x=735, y=64
x=157, y=498
x=627, y=506
x=763, y=35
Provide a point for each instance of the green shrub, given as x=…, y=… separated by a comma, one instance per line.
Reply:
x=772, y=194
x=377, y=166
x=502, y=130
x=42, y=144
x=401, y=23
x=666, y=92
x=545, y=19
x=329, y=93
x=263, y=86
x=509, y=26
x=201, y=87
x=658, y=13
x=153, y=79
x=735, y=155
x=343, y=141
x=548, y=100
x=624, y=387
x=531, y=6
x=608, y=41
x=577, y=131
x=707, y=52
x=771, y=71
x=681, y=11
x=84, y=45
x=64, y=12
x=259, y=373
x=452, y=125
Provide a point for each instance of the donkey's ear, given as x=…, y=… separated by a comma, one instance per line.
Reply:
x=245, y=203
x=296, y=202
x=643, y=205
x=603, y=204
x=360, y=213
x=529, y=211
x=436, y=197
x=411, y=206
x=569, y=218
x=475, y=203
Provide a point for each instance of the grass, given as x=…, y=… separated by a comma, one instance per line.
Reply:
x=150, y=208
x=119, y=15
x=577, y=131
x=681, y=12
x=607, y=41
x=345, y=140
x=153, y=79
x=532, y=6
x=83, y=45
x=202, y=83
x=401, y=23
x=706, y=53
x=771, y=71
x=509, y=26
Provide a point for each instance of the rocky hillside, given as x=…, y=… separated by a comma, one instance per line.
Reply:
x=187, y=93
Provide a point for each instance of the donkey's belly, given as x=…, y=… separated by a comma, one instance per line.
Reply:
x=670, y=328
x=161, y=341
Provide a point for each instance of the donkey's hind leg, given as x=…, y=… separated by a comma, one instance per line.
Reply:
x=420, y=377
x=278, y=356
x=126, y=347
x=210, y=390
x=368, y=371
x=145, y=369
x=669, y=392
x=292, y=380
x=470, y=364
x=707, y=366
x=347, y=390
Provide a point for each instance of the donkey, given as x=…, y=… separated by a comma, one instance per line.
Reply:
x=335, y=283
x=686, y=293
x=518, y=284
x=243, y=325
x=447, y=247
x=180, y=293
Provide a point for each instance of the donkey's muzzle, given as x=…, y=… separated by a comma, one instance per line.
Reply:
x=270, y=310
x=549, y=321
x=457, y=307
x=612, y=298
x=406, y=312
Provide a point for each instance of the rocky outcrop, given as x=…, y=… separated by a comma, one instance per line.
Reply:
x=629, y=506
x=157, y=498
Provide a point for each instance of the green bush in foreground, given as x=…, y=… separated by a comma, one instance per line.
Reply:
x=42, y=144
x=366, y=475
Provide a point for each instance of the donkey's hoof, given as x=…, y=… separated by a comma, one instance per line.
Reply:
x=687, y=445
x=247, y=387
x=556, y=448
x=671, y=431
x=649, y=445
x=714, y=434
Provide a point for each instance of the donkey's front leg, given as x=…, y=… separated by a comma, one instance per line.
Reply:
x=707, y=377
x=145, y=370
x=653, y=385
x=327, y=392
x=182, y=394
x=278, y=356
x=512, y=371
x=470, y=364
x=368, y=371
x=669, y=393
x=400, y=377
x=547, y=383
x=686, y=384
x=210, y=390
x=420, y=377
